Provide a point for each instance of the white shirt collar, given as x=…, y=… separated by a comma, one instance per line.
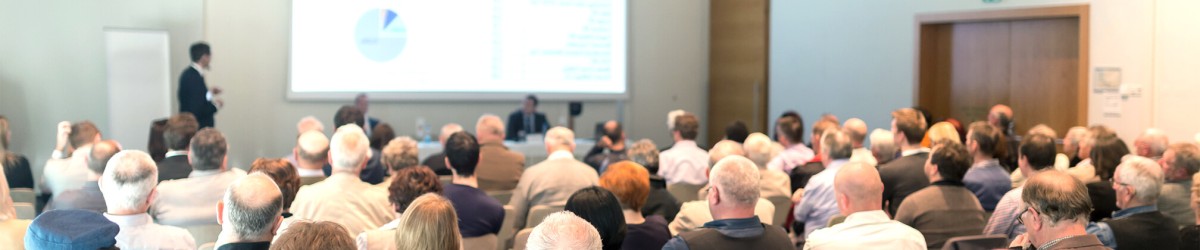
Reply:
x=200, y=173
x=309, y=172
x=129, y=220
x=992, y=161
x=685, y=143
x=174, y=153
x=561, y=154
x=913, y=151
x=198, y=69
x=865, y=217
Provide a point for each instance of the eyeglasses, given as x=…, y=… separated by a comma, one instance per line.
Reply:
x=1021, y=216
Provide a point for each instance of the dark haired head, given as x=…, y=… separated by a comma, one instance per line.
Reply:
x=737, y=131
x=600, y=208
x=410, y=183
x=532, y=98
x=1038, y=150
x=1107, y=154
x=462, y=152
x=198, y=50
x=791, y=128
x=346, y=115
x=952, y=161
x=687, y=125
x=180, y=129
x=208, y=150
x=83, y=133
x=985, y=136
x=382, y=134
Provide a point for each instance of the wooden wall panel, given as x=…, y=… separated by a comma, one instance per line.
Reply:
x=1045, y=56
x=737, y=66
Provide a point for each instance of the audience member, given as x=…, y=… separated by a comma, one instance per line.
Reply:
x=311, y=154
x=177, y=135
x=1179, y=162
x=857, y=130
x=16, y=166
x=380, y=135
x=986, y=178
x=369, y=123
x=671, y=116
x=818, y=130
x=1105, y=156
x=1071, y=144
x=551, y=181
x=250, y=212
x=436, y=161
x=71, y=229
x=1139, y=224
x=499, y=168
x=940, y=133
x=759, y=149
x=1062, y=162
x=429, y=223
x=629, y=182
x=819, y=203
x=946, y=209
x=904, y=176
x=12, y=229
x=190, y=201
x=400, y=153
x=883, y=146
x=89, y=196
x=374, y=172
x=1151, y=144
x=1057, y=213
x=285, y=178
x=1036, y=155
x=526, y=120
x=737, y=131
x=859, y=191
x=1189, y=236
x=479, y=214
x=128, y=185
x=732, y=204
x=308, y=123
x=694, y=214
x=600, y=208
x=685, y=162
x=314, y=235
x=1085, y=171
x=660, y=201
x=609, y=149
x=564, y=230
x=344, y=198
x=790, y=132
x=407, y=185
x=1001, y=117
x=61, y=173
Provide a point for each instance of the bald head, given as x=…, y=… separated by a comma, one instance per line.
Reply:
x=489, y=128
x=101, y=153
x=723, y=149
x=312, y=150
x=1000, y=116
x=1058, y=196
x=857, y=130
x=309, y=123
x=861, y=187
x=447, y=130
x=251, y=207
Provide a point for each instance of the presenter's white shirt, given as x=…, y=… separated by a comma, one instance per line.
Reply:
x=345, y=199
x=866, y=230
x=138, y=231
x=193, y=201
x=684, y=162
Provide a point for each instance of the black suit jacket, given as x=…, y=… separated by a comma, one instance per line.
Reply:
x=1150, y=230
x=192, y=90
x=902, y=177
x=516, y=123
x=174, y=167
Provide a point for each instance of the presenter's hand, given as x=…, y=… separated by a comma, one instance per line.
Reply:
x=64, y=132
x=215, y=90
x=220, y=103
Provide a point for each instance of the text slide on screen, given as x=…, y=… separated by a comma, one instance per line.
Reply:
x=572, y=49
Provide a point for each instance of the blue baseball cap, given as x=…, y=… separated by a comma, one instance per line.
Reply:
x=71, y=229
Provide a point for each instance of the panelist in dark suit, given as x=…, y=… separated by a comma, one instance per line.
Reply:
x=194, y=95
x=526, y=121
x=360, y=102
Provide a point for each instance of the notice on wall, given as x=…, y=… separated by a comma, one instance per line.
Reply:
x=1108, y=79
x=1110, y=104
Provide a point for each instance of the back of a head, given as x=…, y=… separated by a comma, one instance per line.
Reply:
x=837, y=145
x=128, y=180
x=429, y=223
x=615, y=132
x=860, y=182
x=856, y=129
x=1058, y=196
x=71, y=229
x=309, y=123
x=179, y=131
x=600, y=208
x=314, y=235
x=1186, y=158
x=564, y=231
x=1038, y=150
x=688, y=126
x=491, y=125
x=725, y=148
x=560, y=138
x=943, y=132
x=952, y=161
x=629, y=182
x=462, y=151
x=313, y=147
x=401, y=152
x=758, y=149
x=252, y=204
x=83, y=133
x=737, y=178
x=823, y=126
x=883, y=145
x=1107, y=154
x=410, y=183
x=986, y=136
x=381, y=134
x=645, y=153
x=790, y=128
x=1152, y=143
x=102, y=152
x=348, y=114
x=911, y=123
x=1075, y=134
x=1142, y=174
x=447, y=130
x=208, y=150
x=1043, y=129
x=285, y=176
x=348, y=149
x=737, y=131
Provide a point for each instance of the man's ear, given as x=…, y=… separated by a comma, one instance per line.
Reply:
x=277, y=224
x=150, y=197
x=221, y=213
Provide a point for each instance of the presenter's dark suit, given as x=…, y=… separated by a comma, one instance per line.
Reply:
x=192, y=91
x=516, y=123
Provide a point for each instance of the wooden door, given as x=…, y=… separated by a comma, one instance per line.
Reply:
x=737, y=76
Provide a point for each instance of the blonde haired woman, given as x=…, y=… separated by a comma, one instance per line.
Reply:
x=429, y=223
x=12, y=230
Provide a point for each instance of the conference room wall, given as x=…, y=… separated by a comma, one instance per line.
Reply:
x=668, y=58
x=856, y=58
x=52, y=61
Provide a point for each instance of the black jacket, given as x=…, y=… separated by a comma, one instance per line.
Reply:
x=1150, y=230
x=516, y=123
x=902, y=177
x=192, y=91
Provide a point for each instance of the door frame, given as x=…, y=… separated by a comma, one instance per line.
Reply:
x=925, y=22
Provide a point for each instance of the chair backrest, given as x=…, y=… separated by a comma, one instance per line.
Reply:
x=507, y=230
x=522, y=238
x=783, y=208
x=204, y=233
x=487, y=241
x=502, y=196
x=25, y=210
x=25, y=195
x=539, y=213
x=684, y=192
x=976, y=242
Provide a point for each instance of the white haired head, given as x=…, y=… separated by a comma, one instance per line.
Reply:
x=883, y=145
x=564, y=230
x=1152, y=143
x=736, y=179
x=349, y=148
x=759, y=148
x=1141, y=174
x=559, y=138
x=489, y=127
x=129, y=180
x=447, y=130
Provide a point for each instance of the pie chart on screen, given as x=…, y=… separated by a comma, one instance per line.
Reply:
x=380, y=35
